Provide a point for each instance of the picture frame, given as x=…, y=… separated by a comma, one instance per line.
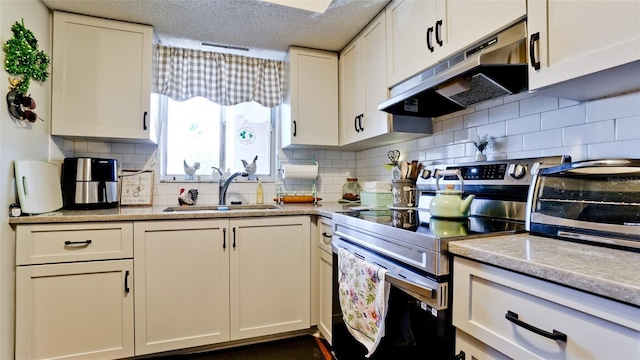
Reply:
x=136, y=188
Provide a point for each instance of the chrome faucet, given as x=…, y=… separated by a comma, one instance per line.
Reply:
x=223, y=184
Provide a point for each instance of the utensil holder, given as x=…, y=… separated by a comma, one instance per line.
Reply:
x=405, y=193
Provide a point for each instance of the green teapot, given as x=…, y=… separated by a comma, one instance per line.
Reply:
x=448, y=203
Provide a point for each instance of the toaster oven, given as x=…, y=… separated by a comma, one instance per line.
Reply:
x=594, y=201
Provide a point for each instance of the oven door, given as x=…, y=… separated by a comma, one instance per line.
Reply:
x=417, y=325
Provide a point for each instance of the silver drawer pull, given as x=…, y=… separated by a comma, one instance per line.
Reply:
x=81, y=243
x=554, y=335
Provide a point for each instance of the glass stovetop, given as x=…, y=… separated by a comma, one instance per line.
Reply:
x=420, y=221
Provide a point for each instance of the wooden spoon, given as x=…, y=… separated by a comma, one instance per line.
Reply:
x=404, y=166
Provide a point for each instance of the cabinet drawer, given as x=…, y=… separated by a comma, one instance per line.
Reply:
x=595, y=328
x=324, y=239
x=53, y=243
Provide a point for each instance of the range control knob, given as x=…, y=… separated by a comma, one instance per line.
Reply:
x=426, y=173
x=517, y=171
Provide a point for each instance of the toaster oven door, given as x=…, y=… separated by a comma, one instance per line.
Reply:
x=588, y=200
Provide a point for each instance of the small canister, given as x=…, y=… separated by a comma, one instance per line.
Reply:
x=351, y=190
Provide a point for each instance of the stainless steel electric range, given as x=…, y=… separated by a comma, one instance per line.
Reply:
x=412, y=246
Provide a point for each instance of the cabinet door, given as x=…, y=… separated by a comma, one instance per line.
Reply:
x=182, y=276
x=270, y=275
x=469, y=21
x=310, y=110
x=325, y=294
x=408, y=24
x=363, y=85
x=101, y=78
x=352, y=91
x=578, y=38
x=374, y=39
x=80, y=310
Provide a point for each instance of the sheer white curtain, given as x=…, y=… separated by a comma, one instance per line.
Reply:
x=225, y=79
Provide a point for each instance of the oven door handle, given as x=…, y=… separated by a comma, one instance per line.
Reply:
x=418, y=291
x=365, y=244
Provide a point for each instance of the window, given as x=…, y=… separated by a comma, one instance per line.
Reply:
x=199, y=130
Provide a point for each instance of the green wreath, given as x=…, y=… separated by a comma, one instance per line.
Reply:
x=24, y=60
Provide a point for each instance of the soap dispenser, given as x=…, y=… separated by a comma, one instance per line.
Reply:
x=259, y=194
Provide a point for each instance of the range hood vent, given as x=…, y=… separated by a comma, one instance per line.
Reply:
x=490, y=69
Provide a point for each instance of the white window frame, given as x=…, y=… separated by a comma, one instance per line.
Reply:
x=164, y=178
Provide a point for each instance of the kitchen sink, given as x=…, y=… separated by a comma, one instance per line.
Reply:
x=212, y=208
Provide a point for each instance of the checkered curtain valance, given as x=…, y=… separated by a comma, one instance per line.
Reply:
x=225, y=79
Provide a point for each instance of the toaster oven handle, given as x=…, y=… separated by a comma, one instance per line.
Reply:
x=590, y=164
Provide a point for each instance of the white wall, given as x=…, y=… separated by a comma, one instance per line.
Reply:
x=522, y=125
x=18, y=140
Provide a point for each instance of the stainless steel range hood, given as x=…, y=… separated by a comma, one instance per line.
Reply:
x=494, y=67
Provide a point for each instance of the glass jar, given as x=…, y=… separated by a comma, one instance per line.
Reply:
x=351, y=190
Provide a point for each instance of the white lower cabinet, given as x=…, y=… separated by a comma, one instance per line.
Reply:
x=270, y=275
x=197, y=282
x=325, y=277
x=67, y=306
x=201, y=282
x=527, y=318
x=182, y=284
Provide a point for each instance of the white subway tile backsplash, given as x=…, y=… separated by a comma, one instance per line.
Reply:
x=466, y=135
x=456, y=123
x=563, y=117
x=597, y=132
x=521, y=125
x=566, y=103
x=537, y=104
x=577, y=153
x=504, y=112
x=434, y=154
x=443, y=139
x=525, y=124
x=507, y=144
x=618, y=149
x=123, y=148
x=145, y=148
x=628, y=128
x=478, y=118
x=454, y=151
x=612, y=108
x=494, y=130
x=542, y=139
x=333, y=154
x=426, y=142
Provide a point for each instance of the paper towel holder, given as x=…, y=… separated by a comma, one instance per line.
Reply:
x=309, y=190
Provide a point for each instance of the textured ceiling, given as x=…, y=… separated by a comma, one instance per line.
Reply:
x=266, y=29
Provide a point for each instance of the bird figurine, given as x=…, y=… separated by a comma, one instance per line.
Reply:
x=188, y=197
x=250, y=168
x=191, y=170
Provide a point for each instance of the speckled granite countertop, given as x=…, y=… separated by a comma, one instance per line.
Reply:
x=611, y=273
x=130, y=213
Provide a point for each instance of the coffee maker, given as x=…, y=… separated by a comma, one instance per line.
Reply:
x=89, y=183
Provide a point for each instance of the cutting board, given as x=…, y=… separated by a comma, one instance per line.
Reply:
x=38, y=185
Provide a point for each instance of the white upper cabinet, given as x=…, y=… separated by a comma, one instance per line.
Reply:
x=469, y=21
x=578, y=40
x=101, y=79
x=411, y=37
x=363, y=84
x=310, y=110
x=421, y=34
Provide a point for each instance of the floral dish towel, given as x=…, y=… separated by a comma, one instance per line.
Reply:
x=364, y=295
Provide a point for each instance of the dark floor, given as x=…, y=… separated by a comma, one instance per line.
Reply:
x=299, y=348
